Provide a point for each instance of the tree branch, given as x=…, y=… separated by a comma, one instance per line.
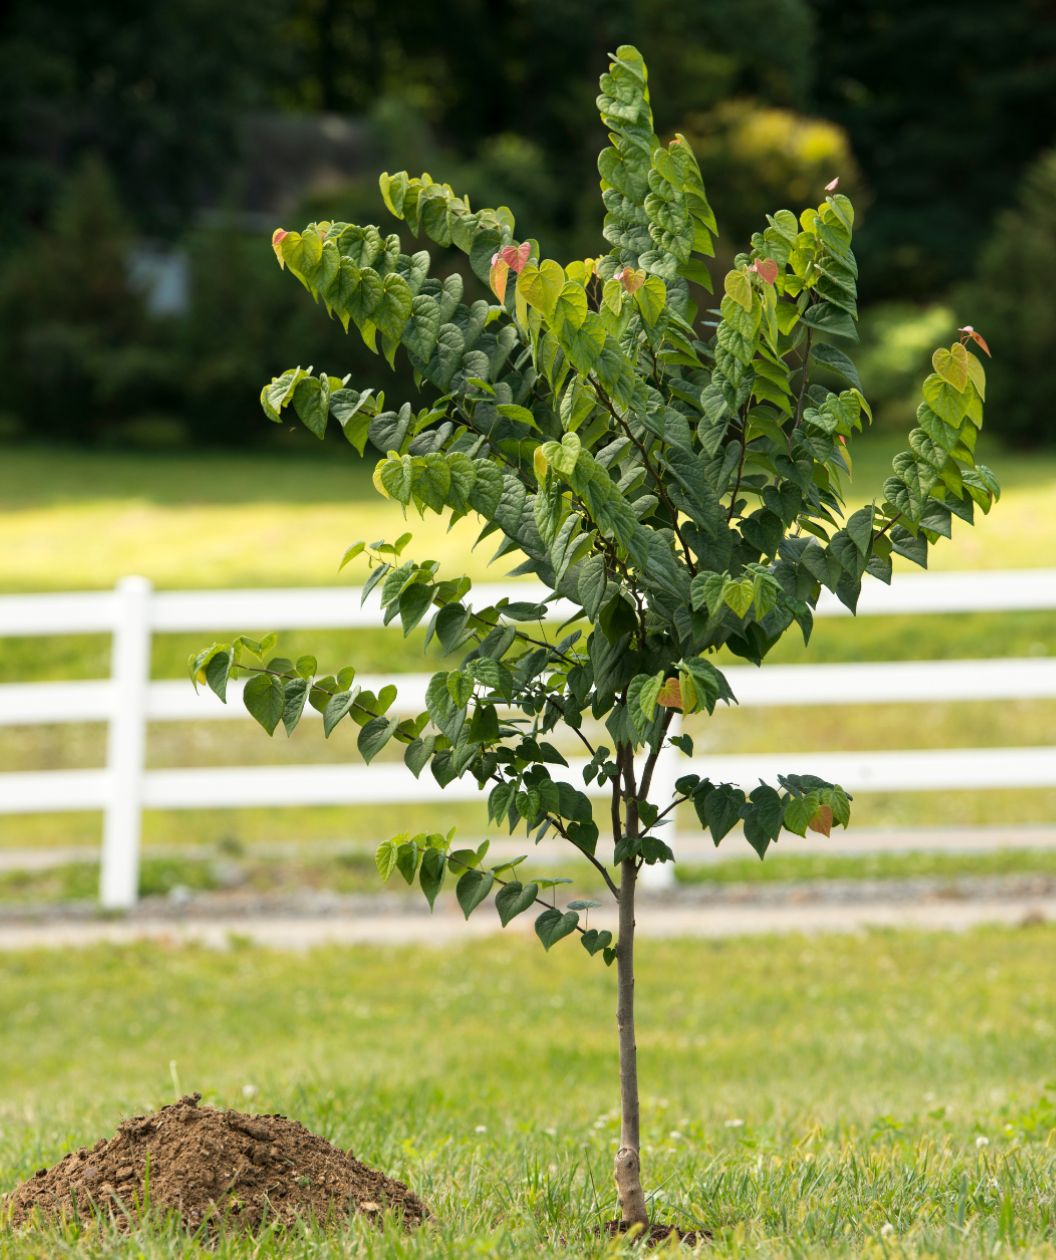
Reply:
x=658, y=481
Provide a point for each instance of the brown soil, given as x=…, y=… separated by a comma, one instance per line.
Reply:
x=657, y=1234
x=212, y=1168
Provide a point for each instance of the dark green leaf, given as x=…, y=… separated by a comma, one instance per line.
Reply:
x=472, y=888
x=513, y=899
x=552, y=925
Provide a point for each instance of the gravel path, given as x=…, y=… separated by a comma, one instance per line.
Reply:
x=837, y=906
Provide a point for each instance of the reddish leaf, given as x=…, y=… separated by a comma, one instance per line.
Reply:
x=670, y=694
x=631, y=280
x=277, y=238
x=968, y=331
x=515, y=256
x=765, y=269
x=833, y=184
x=500, y=269
x=822, y=820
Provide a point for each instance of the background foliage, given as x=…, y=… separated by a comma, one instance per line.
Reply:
x=930, y=116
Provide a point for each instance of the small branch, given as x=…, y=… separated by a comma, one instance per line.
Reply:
x=740, y=470
x=679, y=800
x=661, y=488
x=654, y=756
x=805, y=379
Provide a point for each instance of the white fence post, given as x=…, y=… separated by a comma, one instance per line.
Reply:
x=126, y=745
x=670, y=766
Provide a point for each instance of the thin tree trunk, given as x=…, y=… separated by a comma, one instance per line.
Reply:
x=628, y=1163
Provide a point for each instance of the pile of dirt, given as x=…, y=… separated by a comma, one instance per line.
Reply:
x=656, y=1234
x=212, y=1168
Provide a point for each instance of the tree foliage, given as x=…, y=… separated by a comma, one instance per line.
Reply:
x=677, y=494
x=683, y=494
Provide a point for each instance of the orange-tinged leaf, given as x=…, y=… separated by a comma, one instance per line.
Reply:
x=277, y=238
x=978, y=338
x=670, y=694
x=822, y=820
x=765, y=269
x=500, y=270
x=631, y=280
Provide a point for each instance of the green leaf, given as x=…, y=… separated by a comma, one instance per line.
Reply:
x=720, y=809
x=385, y=858
x=217, y=671
x=513, y=899
x=651, y=299
x=739, y=288
x=459, y=688
x=296, y=693
x=374, y=736
x=311, y=401
x=948, y=404
x=431, y=875
x=594, y=942
x=763, y=818
x=952, y=366
x=472, y=888
x=552, y=925
x=407, y=855
x=264, y=699
x=830, y=319
x=417, y=754
x=337, y=707
x=393, y=307
x=541, y=286
x=860, y=528
x=835, y=359
x=571, y=306
x=302, y=252
x=415, y=602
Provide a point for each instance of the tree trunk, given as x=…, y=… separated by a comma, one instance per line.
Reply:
x=628, y=1164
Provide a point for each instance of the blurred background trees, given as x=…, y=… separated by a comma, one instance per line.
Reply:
x=173, y=136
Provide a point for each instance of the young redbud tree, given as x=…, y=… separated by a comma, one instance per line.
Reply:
x=677, y=480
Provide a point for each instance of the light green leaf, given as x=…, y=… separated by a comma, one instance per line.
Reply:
x=541, y=286
x=651, y=298
x=739, y=288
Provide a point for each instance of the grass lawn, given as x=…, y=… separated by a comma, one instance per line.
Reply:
x=79, y=520
x=885, y=1094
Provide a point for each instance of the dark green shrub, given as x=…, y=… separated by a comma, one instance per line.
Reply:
x=1011, y=302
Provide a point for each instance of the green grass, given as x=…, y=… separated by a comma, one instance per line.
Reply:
x=79, y=520
x=884, y=1094
x=782, y=868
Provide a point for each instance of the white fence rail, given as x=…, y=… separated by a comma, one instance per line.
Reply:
x=128, y=701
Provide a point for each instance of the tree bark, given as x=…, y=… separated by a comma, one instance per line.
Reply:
x=628, y=1169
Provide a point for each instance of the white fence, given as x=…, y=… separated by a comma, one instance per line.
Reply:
x=128, y=701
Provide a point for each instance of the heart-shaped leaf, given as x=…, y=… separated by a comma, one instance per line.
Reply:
x=513, y=899
x=552, y=925
x=594, y=941
x=472, y=888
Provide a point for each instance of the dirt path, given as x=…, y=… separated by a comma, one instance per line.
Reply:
x=656, y=918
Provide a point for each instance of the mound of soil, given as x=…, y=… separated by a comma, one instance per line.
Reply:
x=212, y=1168
x=657, y=1234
